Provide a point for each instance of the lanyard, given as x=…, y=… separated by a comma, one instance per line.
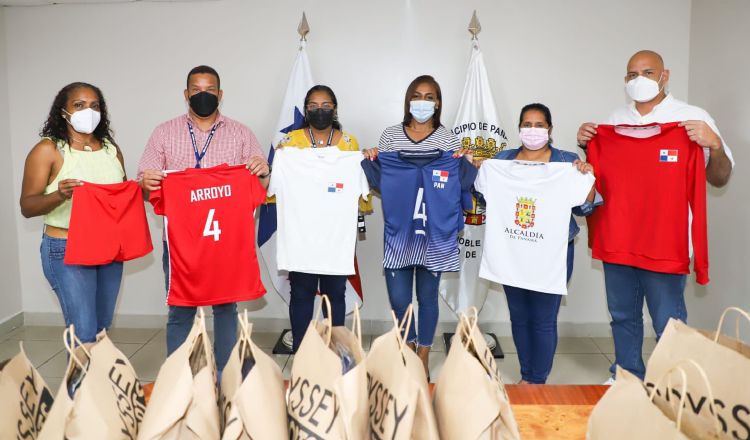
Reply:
x=312, y=138
x=199, y=156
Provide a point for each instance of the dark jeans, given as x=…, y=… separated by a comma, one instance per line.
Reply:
x=87, y=294
x=302, y=301
x=533, y=317
x=399, y=283
x=627, y=288
x=180, y=321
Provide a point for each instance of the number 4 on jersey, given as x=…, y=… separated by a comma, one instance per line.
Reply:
x=420, y=213
x=212, y=226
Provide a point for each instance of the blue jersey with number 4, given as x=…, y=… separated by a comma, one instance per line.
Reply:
x=422, y=206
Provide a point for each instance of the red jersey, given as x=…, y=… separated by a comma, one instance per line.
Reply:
x=107, y=223
x=210, y=230
x=650, y=177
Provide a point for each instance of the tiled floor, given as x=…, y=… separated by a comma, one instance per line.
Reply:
x=577, y=361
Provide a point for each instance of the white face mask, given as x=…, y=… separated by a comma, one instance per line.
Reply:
x=534, y=138
x=642, y=89
x=84, y=121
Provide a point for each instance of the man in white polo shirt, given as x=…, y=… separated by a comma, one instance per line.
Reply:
x=627, y=287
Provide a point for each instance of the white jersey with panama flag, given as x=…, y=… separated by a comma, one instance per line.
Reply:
x=478, y=128
x=291, y=118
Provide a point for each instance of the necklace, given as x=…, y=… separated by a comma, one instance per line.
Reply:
x=320, y=142
x=86, y=147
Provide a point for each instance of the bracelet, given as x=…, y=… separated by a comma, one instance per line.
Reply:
x=267, y=174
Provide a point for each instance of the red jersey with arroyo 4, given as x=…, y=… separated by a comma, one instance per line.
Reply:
x=210, y=230
x=651, y=177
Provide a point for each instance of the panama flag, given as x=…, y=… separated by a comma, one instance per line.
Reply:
x=439, y=176
x=290, y=118
x=478, y=128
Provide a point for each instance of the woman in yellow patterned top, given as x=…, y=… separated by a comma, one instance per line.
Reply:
x=321, y=128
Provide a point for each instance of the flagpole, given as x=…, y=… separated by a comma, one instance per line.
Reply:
x=493, y=343
x=283, y=345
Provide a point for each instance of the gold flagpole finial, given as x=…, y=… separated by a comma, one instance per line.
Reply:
x=304, y=28
x=474, y=27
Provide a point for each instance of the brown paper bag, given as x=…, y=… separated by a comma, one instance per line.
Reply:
x=324, y=402
x=727, y=367
x=626, y=412
x=253, y=406
x=184, y=403
x=107, y=403
x=400, y=407
x=469, y=398
x=25, y=399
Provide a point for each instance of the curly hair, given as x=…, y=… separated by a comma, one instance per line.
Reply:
x=56, y=127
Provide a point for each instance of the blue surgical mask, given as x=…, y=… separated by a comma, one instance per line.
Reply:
x=422, y=110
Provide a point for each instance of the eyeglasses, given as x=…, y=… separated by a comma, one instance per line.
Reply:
x=324, y=106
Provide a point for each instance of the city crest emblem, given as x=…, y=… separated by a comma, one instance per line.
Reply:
x=525, y=212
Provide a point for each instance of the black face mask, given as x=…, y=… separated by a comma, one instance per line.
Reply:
x=204, y=103
x=320, y=118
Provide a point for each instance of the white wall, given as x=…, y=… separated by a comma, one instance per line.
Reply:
x=719, y=83
x=10, y=298
x=570, y=55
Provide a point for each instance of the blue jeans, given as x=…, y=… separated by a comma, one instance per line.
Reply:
x=180, y=321
x=533, y=318
x=399, y=283
x=87, y=294
x=627, y=287
x=302, y=301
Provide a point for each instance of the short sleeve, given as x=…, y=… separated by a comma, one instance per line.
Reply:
x=454, y=144
x=250, y=145
x=467, y=173
x=579, y=186
x=156, y=198
x=277, y=174
x=364, y=185
x=351, y=141
x=153, y=157
x=285, y=141
x=257, y=192
x=480, y=183
x=371, y=170
x=385, y=141
x=706, y=151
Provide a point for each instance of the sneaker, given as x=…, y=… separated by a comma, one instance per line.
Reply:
x=610, y=381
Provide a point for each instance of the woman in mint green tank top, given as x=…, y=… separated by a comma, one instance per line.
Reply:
x=76, y=146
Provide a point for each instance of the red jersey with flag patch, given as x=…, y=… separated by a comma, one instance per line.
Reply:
x=650, y=177
x=210, y=230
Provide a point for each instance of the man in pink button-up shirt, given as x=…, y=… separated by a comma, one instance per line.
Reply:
x=201, y=138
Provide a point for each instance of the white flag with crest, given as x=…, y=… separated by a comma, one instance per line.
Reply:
x=478, y=128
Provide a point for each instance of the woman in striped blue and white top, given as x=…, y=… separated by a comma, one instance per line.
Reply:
x=420, y=131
